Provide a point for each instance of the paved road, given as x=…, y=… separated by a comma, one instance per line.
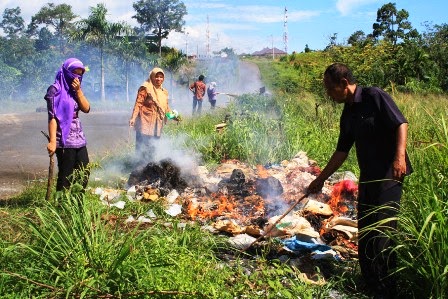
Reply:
x=23, y=156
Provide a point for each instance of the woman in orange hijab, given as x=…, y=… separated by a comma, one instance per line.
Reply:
x=148, y=116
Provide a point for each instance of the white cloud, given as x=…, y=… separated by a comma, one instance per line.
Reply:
x=302, y=15
x=345, y=7
x=116, y=10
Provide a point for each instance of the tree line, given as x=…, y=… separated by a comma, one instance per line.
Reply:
x=394, y=54
x=116, y=54
x=31, y=53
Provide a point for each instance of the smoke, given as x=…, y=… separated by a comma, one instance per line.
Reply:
x=233, y=77
x=106, y=126
x=169, y=148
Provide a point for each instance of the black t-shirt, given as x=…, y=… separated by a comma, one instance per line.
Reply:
x=371, y=123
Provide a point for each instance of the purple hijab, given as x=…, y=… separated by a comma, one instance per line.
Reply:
x=64, y=99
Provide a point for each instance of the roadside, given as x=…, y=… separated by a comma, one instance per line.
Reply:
x=23, y=156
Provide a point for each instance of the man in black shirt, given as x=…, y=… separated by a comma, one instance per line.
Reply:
x=372, y=121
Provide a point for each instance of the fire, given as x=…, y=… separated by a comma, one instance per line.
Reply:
x=262, y=172
x=242, y=209
x=340, y=191
x=208, y=208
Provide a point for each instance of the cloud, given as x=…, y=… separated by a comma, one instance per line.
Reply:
x=116, y=10
x=345, y=7
x=302, y=15
x=259, y=14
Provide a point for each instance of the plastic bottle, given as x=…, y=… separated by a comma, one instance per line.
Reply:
x=172, y=114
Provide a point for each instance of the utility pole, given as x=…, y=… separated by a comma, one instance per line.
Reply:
x=285, y=31
x=272, y=42
x=186, y=44
x=208, y=39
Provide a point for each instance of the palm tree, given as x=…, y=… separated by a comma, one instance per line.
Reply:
x=97, y=31
x=131, y=52
x=172, y=62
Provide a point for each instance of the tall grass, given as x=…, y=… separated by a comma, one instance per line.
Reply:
x=423, y=234
x=75, y=250
x=253, y=132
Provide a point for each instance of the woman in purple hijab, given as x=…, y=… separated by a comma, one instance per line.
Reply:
x=64, y=100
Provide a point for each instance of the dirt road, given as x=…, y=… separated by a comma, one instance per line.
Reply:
x=23, y=156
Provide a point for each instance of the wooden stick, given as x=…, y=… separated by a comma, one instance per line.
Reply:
x=229, y=94
x=277, y=221
x=50, y=170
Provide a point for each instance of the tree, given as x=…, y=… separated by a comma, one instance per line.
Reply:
x=10, y=80
x=230, y=52
x=392, y=24
x=97, y=31
x=130, y=52
x=160, y=17
x=172, y=62
x=413, y=63
x=59, y=17
x=12, y=23
x=332, y=41
x=45, y=40
x=436, y=41
x=307, y=49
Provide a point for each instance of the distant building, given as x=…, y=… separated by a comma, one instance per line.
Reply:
x=269, y=51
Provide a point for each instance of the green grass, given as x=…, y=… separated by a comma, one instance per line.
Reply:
x=61, y=249
x=73, y=247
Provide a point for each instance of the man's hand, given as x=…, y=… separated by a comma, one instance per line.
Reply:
x=316, y=185
x=131, y=122
x=399, y=170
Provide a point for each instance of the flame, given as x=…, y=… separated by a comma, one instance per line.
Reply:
x=262, y=172
x=339, y=192
x=242, y=209
x=209, y=208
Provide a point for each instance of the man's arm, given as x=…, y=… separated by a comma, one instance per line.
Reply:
x=335, y=162
x=399, y=166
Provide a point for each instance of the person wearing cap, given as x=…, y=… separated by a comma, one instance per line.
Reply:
x=65, y=99
x=373, y=123
x=149, y=113
x=198, y=88
x=212, y=93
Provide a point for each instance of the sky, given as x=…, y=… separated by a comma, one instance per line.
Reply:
x=248, y=26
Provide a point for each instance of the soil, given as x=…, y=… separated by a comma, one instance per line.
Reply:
x=23, y=154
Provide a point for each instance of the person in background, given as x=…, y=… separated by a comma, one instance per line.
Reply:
x=65, y=99
x=373, y=123
x=149, y=113
x=212, y=93
x=198, y=88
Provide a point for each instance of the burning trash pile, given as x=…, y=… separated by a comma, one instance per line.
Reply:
x=247, y=203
